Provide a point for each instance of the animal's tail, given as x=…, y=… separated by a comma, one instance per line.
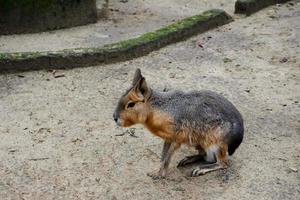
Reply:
x=236, y=137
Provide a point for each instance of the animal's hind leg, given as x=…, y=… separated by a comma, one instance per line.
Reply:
x=222, y=162
x=200, y=157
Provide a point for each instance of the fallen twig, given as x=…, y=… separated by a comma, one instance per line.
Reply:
x=36, y=159
x=121, y=134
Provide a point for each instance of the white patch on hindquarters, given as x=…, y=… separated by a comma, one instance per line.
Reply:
x=211, y=153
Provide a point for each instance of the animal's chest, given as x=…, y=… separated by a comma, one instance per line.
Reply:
x=161, y=125
x=163, y=131
x=167, y=132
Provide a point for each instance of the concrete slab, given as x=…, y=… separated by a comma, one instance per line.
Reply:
x=126, y=20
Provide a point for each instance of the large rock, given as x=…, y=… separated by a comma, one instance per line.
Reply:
x=248, y=7
x=24, y=16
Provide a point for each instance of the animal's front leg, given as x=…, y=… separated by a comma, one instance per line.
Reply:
x=165, y=150
x=168, y=151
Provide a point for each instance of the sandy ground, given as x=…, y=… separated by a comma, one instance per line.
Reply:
x=59, y=141
x=126, y=20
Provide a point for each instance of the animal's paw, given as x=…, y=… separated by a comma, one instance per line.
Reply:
x=190, y=160
x=198, y=172
x=184, y=162
x=156, y=176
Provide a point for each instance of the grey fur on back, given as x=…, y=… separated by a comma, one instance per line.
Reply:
x=202, y=110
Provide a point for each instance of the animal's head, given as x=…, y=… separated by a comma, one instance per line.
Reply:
x=133, y=106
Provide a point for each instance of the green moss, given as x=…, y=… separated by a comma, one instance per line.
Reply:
x=164, y=32
x=155, y=36
x=3, y=56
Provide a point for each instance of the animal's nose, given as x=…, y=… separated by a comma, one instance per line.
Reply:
x=115, y=117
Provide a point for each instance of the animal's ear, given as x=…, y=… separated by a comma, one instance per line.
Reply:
x=137, y=77
x=141, y=90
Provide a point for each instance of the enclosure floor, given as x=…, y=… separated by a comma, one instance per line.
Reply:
x=58, y=137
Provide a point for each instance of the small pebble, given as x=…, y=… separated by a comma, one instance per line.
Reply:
x=293, y=169
x=172, y=75
x=283, y=60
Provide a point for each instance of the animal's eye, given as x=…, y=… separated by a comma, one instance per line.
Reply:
x=130, y=105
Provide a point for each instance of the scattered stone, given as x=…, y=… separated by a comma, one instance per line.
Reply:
x=116, y=10
x=227, y=60
x=172, y=75
x=76, y=140
x=293, y=169
x=114, y=198
x=59, y=76
x=55, y=75
x=179, y=189
x=200, y=45
x=283, y=60
x=20, y=76
x=248, y=91
x=291, y=4
x=283, y=159
x=12, y=150
x=97, y=180
x=272, y=16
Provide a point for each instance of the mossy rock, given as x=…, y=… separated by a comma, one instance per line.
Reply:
x=249, y=7
x=118, y=51
x=28, y=16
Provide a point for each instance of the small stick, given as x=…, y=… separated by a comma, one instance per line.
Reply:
x=121, y=134
x=36, y=159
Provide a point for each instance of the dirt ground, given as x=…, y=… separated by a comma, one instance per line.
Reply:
x=126, y=20
x=59, y=141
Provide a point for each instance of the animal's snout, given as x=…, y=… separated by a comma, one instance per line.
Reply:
x=115, y=117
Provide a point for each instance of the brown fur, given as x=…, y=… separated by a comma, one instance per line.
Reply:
x=160, y=124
